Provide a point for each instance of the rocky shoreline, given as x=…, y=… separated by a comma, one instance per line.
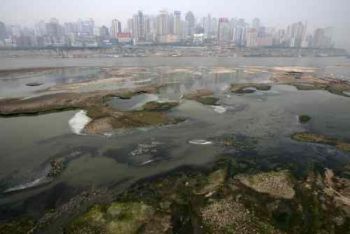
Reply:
x=217, y=199
x=231, y=194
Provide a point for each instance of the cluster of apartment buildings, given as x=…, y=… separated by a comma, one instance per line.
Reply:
x=163, y=28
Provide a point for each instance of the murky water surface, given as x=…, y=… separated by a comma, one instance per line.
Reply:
x=261, y=121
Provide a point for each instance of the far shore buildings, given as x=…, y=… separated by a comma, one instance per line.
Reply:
x=164, y=28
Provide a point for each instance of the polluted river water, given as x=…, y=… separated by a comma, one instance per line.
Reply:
x=259, y=122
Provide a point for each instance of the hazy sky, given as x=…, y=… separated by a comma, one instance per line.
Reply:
x=318, y=13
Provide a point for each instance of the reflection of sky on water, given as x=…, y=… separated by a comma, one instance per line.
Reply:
x=14, y=85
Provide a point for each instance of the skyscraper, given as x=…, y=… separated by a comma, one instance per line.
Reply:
x=162, y=23
x=239, y=33
x=190, y=24
x=177, y=23
x=139, y=26
x=3, y=33
x=116, y=27
x=296, y=33
x=224, y=31
x=207, y=25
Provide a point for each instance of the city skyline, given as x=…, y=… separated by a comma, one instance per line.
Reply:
x=272, y=12
x=164, y=28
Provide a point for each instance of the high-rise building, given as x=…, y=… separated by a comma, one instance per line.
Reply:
x=86, y=27
x=163, y=24
x=116, y=27
x=139, y=32
x=3, y=33
x=296, y=33
x=151, y=28
x=190, y=24
x=177, y=23
x=207, y=25
x=224, y=31
x=104, y=32
x=252, y=37
x=239, y=32
x=322, y=38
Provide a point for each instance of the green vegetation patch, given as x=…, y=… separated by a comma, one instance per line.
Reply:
x=18, y=226
x=123, y=218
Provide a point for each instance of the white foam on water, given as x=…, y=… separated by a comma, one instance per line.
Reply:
x=219, y=109
x=78, y=122
x=147, y=162
x=28, y=185
x=200, y=142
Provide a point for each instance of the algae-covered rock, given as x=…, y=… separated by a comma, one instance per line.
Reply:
x=214, y=181
x=57, y=167
x=18, y=226
x=249, y=87
x=304, y=118
x=312, y=137
x=343, y=146
x=202, y=96
x=207, y=100
x=117, y=218
x=321, y=139
x=159, y=106
x=276, y=184
x=106, y=120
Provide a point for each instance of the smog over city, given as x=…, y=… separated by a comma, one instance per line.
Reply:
x=187, y=116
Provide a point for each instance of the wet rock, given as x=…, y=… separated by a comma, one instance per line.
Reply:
x=34, y=84
x=158, y=224
x=118, y=217
x=339, y=189
x=99, y=126
x=202, y=96
x=214, y=181
x=57, y=167
x=159, y=106
x=208, y=100
x=229, y=216
x=63, y=101
x=276, y=184
x=295, y=74
x=198, y=93
x=106, y=120
x=321, y=139
x=20, y=225
x=304, y=118
x=249, y=87
x=309, y=86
